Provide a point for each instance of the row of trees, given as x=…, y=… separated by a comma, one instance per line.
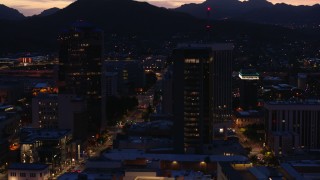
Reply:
x=118, y=107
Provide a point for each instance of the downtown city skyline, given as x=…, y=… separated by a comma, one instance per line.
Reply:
x=33, y=7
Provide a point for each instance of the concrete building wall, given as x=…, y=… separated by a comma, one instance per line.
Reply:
x=28, y=174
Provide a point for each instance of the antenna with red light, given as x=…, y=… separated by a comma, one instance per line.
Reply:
x=208, y=26
x=208, y=17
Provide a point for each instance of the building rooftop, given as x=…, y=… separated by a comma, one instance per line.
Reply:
x=228, y=171
x=213, y=46
x=271, y=78
x=76, y=176
x=295, y=102
x=27, y=166
x=291, y=171
x=248, y=74
x=30, y=135
x=138, y=140
x=283, y=87
x=250, y=113
x=132, y=154
x=189, y=174
x=159, y=125
x=41, y=85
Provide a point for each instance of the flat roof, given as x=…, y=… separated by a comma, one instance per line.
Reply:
x=291, y=171
x=213, y=46
x=250, y=113
x=41, y=85
x=248, y=72
x=89, y=176
x=255, y=172
x=231, y=173
x=132, y=154
x=295, y=102
x=27, y=166
x=35, y=134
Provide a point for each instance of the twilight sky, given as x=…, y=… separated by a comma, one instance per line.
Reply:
x=31, y=7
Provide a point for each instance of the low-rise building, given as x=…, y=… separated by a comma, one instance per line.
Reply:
x=298, y=170
x=23, y=171
x=244, y=118
x=245, y=171
x=292, y=124
x=46, y=146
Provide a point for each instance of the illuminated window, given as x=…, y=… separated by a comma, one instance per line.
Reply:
x=191, y=61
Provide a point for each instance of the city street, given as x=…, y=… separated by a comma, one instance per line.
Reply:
x=247, y=143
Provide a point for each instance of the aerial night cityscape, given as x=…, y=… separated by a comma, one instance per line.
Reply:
x=159, y=90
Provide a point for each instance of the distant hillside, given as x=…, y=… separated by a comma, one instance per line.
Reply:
x=10, y=13
x=259, y=11
x=128, y=18
x=48, y=12
x=113, y=16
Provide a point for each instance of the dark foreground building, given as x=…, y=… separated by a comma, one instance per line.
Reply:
x=80, y=59
x=201, y=93
x=248, y=88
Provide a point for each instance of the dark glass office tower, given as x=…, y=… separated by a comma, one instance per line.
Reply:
x=196, y=92
x=80, y=59
x=221, y=88
x=248, y=88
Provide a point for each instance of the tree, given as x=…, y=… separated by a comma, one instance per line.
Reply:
x=147, y=113
x=117, y=107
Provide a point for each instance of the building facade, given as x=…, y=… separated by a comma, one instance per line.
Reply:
x=73, y=115
x=80, y=59
x=23, y=171
x=248, y=88
x=130, y=76
x=296, y=122
x=110, y=84
x=45, y=111
x=64, y=111
x=201, y=93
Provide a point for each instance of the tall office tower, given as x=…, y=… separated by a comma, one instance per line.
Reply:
x=80, y=58
x=197, y=89
x=131, y=75
x=221, y=89
x=109, y=87
x=110, y=84
x=248, y=88
x=291, y=125
x=167, y=84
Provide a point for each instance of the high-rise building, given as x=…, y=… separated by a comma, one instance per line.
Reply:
x=80, y=58
x=131, y=75
x=201, y=93
x=110, y=84
x=45, y=111
x=167, y=84
x=248, y=88
x=63, y=111
x=291, y=125
x=221, y=79
x=73, y=115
